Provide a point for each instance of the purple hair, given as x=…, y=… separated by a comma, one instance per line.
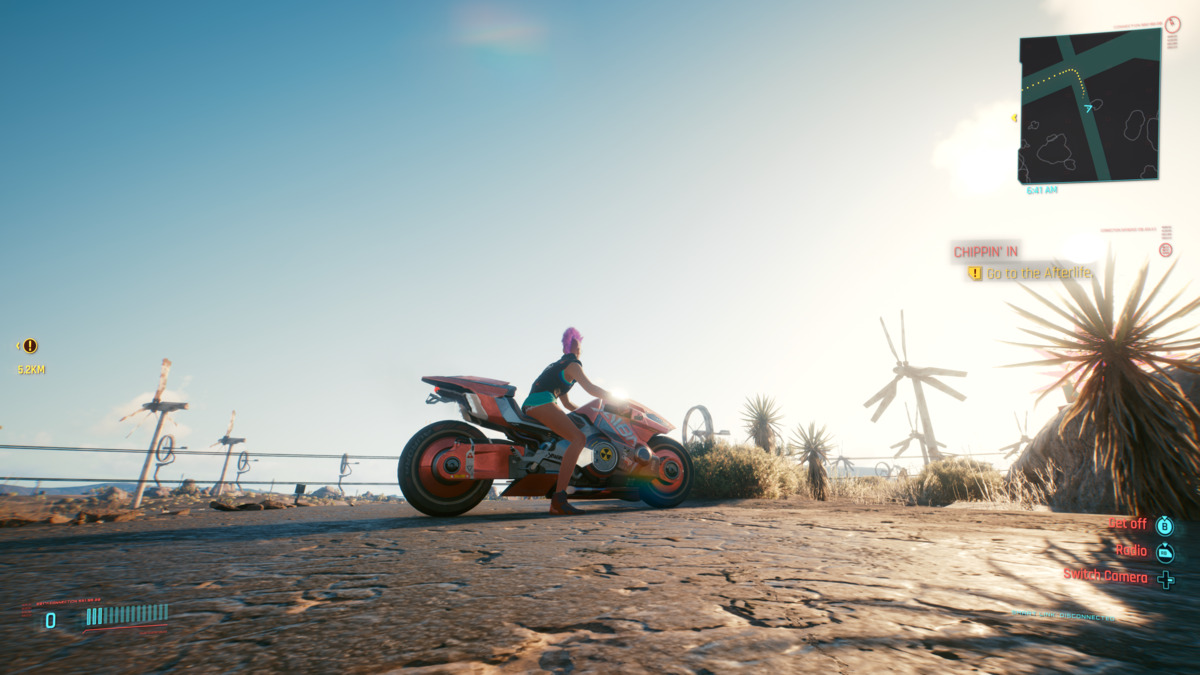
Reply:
x=570, y=337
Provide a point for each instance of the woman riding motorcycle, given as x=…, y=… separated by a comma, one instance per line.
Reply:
x=553, y=384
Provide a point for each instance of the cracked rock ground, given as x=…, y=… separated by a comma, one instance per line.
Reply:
x=710, y=587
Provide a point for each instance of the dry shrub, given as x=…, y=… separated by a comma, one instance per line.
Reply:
x=724, y=471
x=956, y=479
x=1074, y=487
x=867, y=490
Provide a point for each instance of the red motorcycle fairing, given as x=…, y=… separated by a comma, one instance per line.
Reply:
x=474, y=461
x=479, y=385
x=645, y=422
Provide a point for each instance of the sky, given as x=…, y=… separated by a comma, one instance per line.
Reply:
x=307, y=206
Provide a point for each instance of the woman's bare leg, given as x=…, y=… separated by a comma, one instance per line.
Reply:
x=553, y=416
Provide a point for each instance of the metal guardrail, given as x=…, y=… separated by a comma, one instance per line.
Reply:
x=344, y=459
x=220, y=453
x=134, y=480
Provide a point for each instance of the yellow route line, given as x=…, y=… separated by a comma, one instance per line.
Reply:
x=1082, y=89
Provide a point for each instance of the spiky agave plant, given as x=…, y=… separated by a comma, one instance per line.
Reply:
x=813, y=447
x=1145, y=427
x=762, y=416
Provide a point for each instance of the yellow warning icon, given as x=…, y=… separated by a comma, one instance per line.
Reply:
x=975, y=272
x=1014, y=118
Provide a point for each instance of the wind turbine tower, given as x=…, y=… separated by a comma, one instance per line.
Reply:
x=162, y=408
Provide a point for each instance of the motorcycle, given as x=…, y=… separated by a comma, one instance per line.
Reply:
x=448, y=467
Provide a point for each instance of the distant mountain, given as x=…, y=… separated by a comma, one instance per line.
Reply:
x=77, y=490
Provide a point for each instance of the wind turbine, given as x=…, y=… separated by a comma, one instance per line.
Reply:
x=225, y=440
x=156, y=405
x=913, y=435
x=845, y=462
x=918, y=376
x=1019, y=445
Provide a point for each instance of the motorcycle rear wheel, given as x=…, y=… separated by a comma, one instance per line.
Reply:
x=675, y=478
x=428, y=492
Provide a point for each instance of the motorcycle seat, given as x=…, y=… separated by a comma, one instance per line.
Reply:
x=513, y=413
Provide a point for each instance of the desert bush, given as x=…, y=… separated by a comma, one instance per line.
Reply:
x=703, y=446
x=956, y=479
x=1074, y=487
x=725, y=471
x=813, y=445
x=1147, y=431
x=761, y=416
x=866, y=489
x=870, y=481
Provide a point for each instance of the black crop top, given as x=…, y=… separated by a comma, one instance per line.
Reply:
x=554, y=378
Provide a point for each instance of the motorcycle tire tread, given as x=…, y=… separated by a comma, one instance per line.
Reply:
x=414, y=495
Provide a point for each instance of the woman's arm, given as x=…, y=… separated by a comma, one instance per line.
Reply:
x=567, y=402
x=575, y=372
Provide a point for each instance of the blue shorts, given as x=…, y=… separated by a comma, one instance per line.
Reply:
x=537, y=398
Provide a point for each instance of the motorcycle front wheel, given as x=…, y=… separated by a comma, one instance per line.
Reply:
x=423, y=488
x=674, y=480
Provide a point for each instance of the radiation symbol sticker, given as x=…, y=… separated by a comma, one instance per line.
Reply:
x=604, y=457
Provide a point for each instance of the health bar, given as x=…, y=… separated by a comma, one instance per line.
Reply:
x=100, y=616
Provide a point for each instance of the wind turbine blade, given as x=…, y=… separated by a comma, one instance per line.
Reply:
x=1018, y=421
x=887, y=400
x=903, y=339
x=162, y=379
x=140, y=410
x=230, y=429
x=889, y=387
x=904, y=442
x=938, y=385
x=139, y=425
x=889, y=339
x=902, y=450
x=923, y=372
x=1026, y=429
x=908, y=416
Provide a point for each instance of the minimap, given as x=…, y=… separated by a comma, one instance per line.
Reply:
x=1089, y=107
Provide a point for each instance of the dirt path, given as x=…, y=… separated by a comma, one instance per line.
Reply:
x=710, y=587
